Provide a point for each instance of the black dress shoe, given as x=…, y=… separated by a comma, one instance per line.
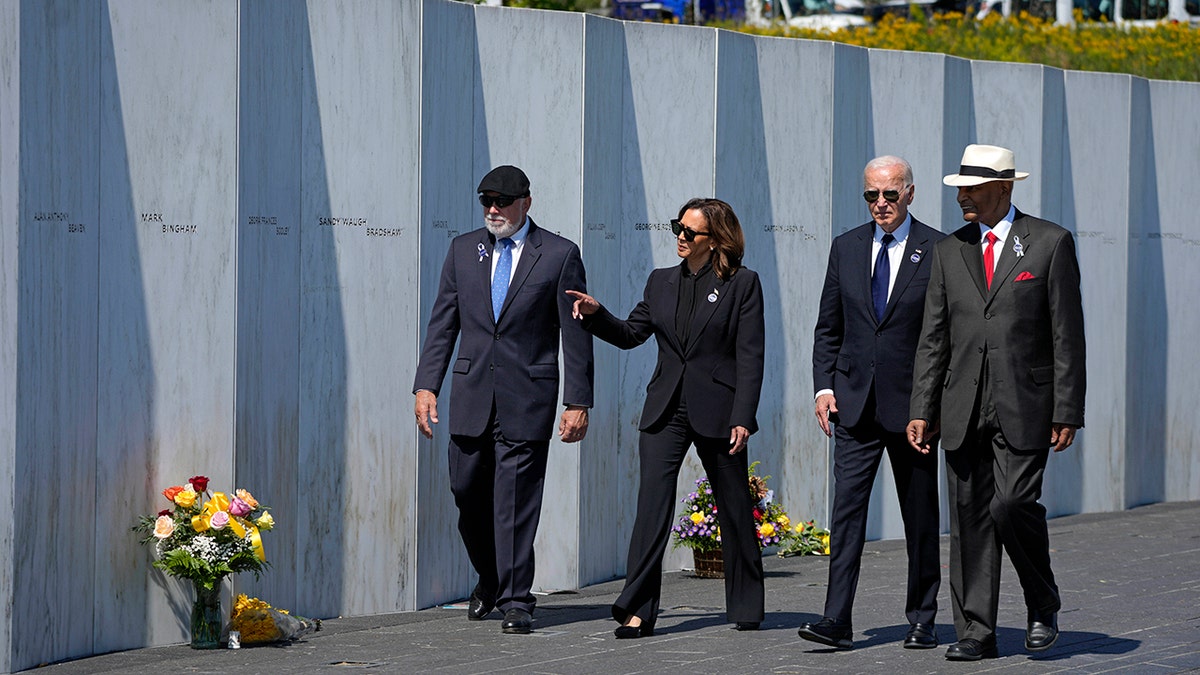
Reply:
x=971, y=649
x=921, y=636
x=746, y=625
x=478, y=607
x=828, y=632
x=1042, y=632
x=517, y=622
x=631, y=632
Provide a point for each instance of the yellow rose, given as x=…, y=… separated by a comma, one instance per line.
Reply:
x=697, y=517
x=186, y=498
x=766, y=530
x=164, y=527
x=784, y=520
x=265, y=521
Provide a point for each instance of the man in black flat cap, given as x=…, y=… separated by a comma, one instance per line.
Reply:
x=503, y=290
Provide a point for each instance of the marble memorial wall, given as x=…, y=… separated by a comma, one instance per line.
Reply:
x=222, y=226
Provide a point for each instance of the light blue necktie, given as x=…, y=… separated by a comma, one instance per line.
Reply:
x=500, y=278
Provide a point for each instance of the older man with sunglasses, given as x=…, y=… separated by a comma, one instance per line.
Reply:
x=866, y=338
x=503, y=291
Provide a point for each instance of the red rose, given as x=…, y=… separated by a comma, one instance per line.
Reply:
x=199, y=483
x=170, y=492
x=757, y=514
x=164, y=512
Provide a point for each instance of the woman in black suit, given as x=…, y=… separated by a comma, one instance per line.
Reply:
x=706, y=315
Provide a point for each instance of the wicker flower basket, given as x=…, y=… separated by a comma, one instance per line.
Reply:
x=709, y=564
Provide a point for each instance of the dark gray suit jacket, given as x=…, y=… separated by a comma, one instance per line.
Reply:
x=513, y=362
x=853, y=353
x=1030, y=325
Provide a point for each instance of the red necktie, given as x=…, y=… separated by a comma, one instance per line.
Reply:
x=989, y=259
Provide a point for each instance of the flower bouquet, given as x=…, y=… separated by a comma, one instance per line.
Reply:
x=700, y=530
x=259, y=623
x=204, y=541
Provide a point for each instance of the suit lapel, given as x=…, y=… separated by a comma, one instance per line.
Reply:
x=973, y=257
x=664, y=301
x=916, y=247
x=530, y=253
x=484, y=250
x=862, y=266
x=713, y=297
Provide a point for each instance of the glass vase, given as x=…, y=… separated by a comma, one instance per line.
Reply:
x=206, y=617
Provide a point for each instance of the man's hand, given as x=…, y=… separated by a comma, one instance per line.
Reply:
x=921, y=436
x=573, y=425
x=826, y=404
x=737, y=439
x=426, y=410
x=1062, y=436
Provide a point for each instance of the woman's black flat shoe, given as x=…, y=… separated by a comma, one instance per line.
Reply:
x=630, y=632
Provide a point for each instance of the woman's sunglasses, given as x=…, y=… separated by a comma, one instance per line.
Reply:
x=689, y=234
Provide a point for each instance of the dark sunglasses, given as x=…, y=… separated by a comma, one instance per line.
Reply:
x=501, y=201
x=892, y=196
x=689, y=234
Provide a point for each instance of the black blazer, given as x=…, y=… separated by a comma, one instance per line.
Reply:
x=853, y=354
x=1030, y=325
x=722, y=370
x=513, y=361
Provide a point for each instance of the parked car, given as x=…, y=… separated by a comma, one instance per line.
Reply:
x=679, y=11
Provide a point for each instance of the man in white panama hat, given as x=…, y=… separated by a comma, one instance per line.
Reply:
x=1007, y=388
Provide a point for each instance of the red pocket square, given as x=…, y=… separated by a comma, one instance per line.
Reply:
x=1023, y=276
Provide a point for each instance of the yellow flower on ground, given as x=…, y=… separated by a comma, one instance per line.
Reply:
x=186, y=498
x=766, y=530
x=697, y=517
x=784, y=521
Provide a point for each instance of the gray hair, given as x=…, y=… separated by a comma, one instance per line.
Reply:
x=888, y=161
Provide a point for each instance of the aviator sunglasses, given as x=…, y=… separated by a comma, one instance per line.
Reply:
x=689, y=235
x=501, y=201
x=892, y=196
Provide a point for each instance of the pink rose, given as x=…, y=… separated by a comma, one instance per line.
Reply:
x=219, y=520
x=238, y=507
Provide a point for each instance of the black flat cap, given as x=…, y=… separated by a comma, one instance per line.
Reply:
x=506, y=180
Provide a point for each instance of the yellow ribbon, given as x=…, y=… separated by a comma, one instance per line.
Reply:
x=239, y=525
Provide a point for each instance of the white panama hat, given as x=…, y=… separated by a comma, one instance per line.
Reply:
x=983, y=164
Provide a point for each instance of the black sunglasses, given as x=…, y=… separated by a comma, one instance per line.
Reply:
x=689, y=234
x=892, y=196
x=501, y=201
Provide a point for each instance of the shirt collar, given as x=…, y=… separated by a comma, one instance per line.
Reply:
x=1001, y=228
x=901, y=232
x=519, y=236
x=687, y=272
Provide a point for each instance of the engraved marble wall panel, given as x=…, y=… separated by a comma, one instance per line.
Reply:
x=359, y=274
x=272, y=35
x=1164, y=322
x=448, y=208
x=168, y=153
x=774, y=149
x=10, y=157
x=668, y=158
x=607, y=469
x=528, y=110
x=50, y=213
x=1029, y=122
x=1097, y=105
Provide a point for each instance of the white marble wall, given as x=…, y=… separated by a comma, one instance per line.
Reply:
x=166, y=336
x=359, y=278
x=274, y=59
x=669, y=124
x=50, y=197
x=257, y=199
x=772, y=166
x=1098, y=105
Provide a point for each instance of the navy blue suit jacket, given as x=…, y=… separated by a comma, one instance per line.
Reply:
x=722, y=369
x=853, y=353
x=512, y=362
